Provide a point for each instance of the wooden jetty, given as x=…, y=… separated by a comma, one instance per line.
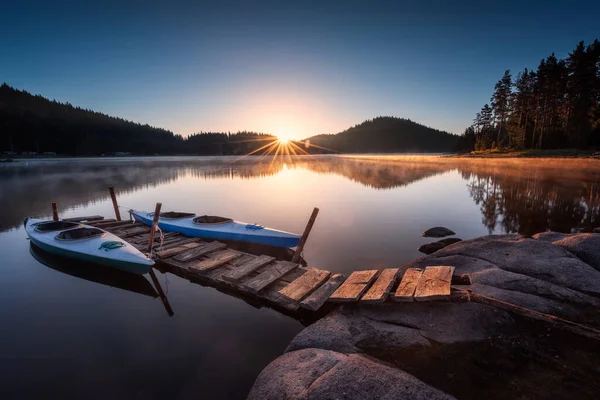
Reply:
x=279, y=284
x=267, y=280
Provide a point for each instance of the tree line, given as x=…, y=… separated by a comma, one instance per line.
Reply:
x=35, y=124
x=555, y=106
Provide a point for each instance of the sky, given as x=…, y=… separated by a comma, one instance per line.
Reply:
x=294, y=69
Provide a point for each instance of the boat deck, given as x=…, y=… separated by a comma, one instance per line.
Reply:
x=271, y=280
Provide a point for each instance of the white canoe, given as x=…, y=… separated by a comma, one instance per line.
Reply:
x=218, y=228
x=86, y=243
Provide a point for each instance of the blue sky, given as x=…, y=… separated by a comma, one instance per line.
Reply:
x=294, y=69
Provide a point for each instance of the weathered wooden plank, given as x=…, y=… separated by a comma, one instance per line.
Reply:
x=184, y=240
x=355, y=286
x=408, y=284
x=269, y=275
x=139, y=239
x=317, y=298
x=86, y=218
x=381, y=288
x=102, y=222
x=131, y=232
x=199, y=251
x=434, y=284
x=176, y=250
x=215, y=261
x=301, y=287
x=245, y=269
x=113, y=226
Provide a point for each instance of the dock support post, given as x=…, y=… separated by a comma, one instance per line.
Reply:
x=309, y=225
x=161, y=293
x=54, y=211
x=153, y=227
x=113, y=197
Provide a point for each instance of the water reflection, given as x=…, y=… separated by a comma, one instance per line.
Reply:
x=102, y=275
x=525, y=196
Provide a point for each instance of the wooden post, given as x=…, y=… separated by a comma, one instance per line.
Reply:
x=309, y=225
x=153, y=227
x=163, y=296
x=54, y=211
x=113, y=197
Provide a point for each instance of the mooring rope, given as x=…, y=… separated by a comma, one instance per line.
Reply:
x=162, y=237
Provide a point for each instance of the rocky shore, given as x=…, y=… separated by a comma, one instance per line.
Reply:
x=464, y=350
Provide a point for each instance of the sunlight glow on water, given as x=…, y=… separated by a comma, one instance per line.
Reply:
x=92, y=337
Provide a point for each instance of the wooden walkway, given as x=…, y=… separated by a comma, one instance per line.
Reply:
x=283, y=285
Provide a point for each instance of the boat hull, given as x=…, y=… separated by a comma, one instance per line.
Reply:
x=234, y=230
x=130, y=260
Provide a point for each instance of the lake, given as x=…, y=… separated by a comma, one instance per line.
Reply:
x=65, y=336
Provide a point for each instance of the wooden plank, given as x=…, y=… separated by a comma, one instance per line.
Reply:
x=132, y=232
x=199, y=251
x=87, y=218
x=112, y=225
x=247, y=268
x=101, y=222
x=355, y=286
x=381, y=288
x=139, y=239
x=269, y=275
x=176, y=250
x=301, y=287
x=408, y=284
x=317, y=298
x=184, y=240
x=215, y=261
x=434, y=284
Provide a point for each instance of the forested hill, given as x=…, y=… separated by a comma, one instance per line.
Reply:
x=34, y=124
x=389, y=135
x=31, y=123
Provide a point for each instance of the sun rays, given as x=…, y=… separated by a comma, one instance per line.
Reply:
x=282, y=150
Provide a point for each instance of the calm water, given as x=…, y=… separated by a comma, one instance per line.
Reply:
x=64, y=336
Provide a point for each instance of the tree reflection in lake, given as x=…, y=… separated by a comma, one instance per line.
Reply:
x=525, y=196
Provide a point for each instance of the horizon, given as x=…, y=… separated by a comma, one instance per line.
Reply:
x=294, y=71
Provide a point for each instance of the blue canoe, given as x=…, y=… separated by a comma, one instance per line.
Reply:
x=217, y=228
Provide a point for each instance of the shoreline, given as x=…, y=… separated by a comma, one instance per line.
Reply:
x=558, y=153
x=539, y=322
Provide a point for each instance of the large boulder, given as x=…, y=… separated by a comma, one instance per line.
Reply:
x=586, y=246
x=322, y=374
x=534, y=258
x=432, y=247
x=397, y=326
x=532, y=273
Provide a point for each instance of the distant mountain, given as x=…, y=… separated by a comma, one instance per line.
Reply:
x=388, y=135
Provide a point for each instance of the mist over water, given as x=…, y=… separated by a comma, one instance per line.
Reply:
x=67, y=335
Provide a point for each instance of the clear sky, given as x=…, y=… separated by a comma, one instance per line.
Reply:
x=294, y=68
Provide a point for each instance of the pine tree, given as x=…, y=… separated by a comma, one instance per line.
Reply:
x=501, y=102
